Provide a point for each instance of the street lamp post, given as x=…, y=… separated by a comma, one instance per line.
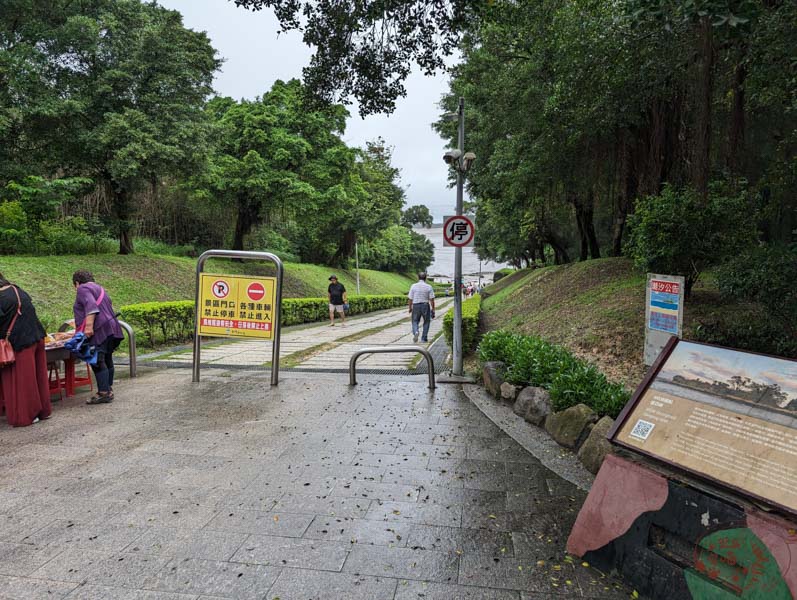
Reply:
x=460, y=161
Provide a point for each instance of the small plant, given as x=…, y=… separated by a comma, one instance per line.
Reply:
x=530, y=360
x=471, y=312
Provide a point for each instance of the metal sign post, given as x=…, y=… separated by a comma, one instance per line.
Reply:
x=258, y=292
x=457, y=367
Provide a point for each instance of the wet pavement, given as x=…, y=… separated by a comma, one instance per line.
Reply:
x=231, y=489
x=320, y=347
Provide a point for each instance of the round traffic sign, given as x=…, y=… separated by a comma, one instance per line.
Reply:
x=256, y=291
x=221, y=289
x=458, y=231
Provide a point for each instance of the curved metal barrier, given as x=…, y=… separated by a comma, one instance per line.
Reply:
x=387, y=350
x=131, y=341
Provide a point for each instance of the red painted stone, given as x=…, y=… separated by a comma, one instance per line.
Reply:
x=622, y=491
x=780, y=537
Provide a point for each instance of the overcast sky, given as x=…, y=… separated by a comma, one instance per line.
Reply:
x=255, y=56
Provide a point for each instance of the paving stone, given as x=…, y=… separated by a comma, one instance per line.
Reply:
x=377, y=491
x=17, y=588
x=430, y=450
x=289, y=552
x=99, y=592
x=463, y=496
x=515, y=574
x=460, y=540
x=422, y=565
x=247, y=501
x=466, y=466
x=106, y=538
x=22, y=559
x=180, y=543
x=230, y=580
x=323, y=505
x=359, y=531
x=421, y=590
x=416, y=512
x=265, y=523
x=101, y=568
x=181, y=515
x=391, y=460
x=421, y=477
x=297, y=584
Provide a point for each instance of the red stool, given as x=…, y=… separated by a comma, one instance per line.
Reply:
x=56, y=386
x=71, y=381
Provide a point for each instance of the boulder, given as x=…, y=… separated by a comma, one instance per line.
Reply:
x=569, y=427
x=533, y=404
x=509, y=391
x=492, y=372
x=596, y=446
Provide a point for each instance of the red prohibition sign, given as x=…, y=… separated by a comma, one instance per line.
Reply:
x=220, y=289
x=256, y=291
x=458, y=231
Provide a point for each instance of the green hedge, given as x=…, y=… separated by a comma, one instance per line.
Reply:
x=160, y=322
x=533, y=361
x=471, y=312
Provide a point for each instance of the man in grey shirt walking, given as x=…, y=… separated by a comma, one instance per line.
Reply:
x=421, y=304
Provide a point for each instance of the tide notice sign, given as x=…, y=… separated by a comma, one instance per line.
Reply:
x=663, y=313
x=236, y=306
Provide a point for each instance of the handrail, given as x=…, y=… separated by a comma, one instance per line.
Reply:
x=390, y=349
x=131, y=342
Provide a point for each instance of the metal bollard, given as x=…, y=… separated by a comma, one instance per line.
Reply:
x=387, y=350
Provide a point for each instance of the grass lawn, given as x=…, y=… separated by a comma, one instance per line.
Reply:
x=596, y=309
x=147, y=278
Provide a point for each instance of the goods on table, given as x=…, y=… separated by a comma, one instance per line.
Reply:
x=57, y=340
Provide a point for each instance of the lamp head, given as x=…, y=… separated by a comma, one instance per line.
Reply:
x=452, y=157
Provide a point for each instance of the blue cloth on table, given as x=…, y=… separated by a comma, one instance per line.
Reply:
x=79, y=346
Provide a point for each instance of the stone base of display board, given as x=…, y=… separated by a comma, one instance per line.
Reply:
x=671, y=538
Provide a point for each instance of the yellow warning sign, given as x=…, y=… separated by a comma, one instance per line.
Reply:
x=235, y=306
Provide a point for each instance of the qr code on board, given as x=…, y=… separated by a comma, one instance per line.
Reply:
x=642, y=430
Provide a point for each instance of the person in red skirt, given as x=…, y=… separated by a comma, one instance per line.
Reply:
x=24, y=386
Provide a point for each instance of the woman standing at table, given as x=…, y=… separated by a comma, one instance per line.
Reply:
x=24, y=386
x=95, y=317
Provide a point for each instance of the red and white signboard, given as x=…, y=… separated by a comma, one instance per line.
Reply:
x=221, y=289
x=458, y=231
x=256, y=291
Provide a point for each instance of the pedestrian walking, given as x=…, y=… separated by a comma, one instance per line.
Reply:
x=24, y=386
x=337, y=299
x=96, y=319
x=421, y=305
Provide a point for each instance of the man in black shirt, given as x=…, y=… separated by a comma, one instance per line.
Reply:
x=337, y=298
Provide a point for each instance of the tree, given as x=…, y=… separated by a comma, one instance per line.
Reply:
x=366, y=49
x=273, y=153
x=112, y=90
x=417, y=215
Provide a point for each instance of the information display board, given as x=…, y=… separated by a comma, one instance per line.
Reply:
x=726, y=415
x=236, y=306
x=664, y=308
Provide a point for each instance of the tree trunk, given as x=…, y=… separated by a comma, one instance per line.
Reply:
x=247, y=216
x=121, y=209
x=702, y=146
x=736, y=134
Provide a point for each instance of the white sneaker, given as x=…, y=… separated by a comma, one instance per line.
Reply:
x=415, y=338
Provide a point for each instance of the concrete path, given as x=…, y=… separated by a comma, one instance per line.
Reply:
x=314, y=490
x=333, y=351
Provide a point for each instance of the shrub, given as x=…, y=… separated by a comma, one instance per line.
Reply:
x=471, y=312
x=531, y=360
x=765, y=276
x=680, y=233
x=149, y=246
x=161, y=322
x=72, y=235
x=498, y=275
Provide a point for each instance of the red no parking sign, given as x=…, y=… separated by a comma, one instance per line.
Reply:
x=458, y=231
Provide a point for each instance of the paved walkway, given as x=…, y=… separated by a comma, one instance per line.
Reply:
x=315, y=490
x=333, y=351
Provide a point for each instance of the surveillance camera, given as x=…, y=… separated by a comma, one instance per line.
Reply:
x=467, y=160
x=452, y=157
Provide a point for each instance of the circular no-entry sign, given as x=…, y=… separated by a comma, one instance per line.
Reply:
x=458, y=231
x=256, y=291
x=221, y=289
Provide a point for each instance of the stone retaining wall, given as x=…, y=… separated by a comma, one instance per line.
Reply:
x=577, y=427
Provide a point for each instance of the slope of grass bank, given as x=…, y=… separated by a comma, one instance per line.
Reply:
x=148, y=278
x=597, y=310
